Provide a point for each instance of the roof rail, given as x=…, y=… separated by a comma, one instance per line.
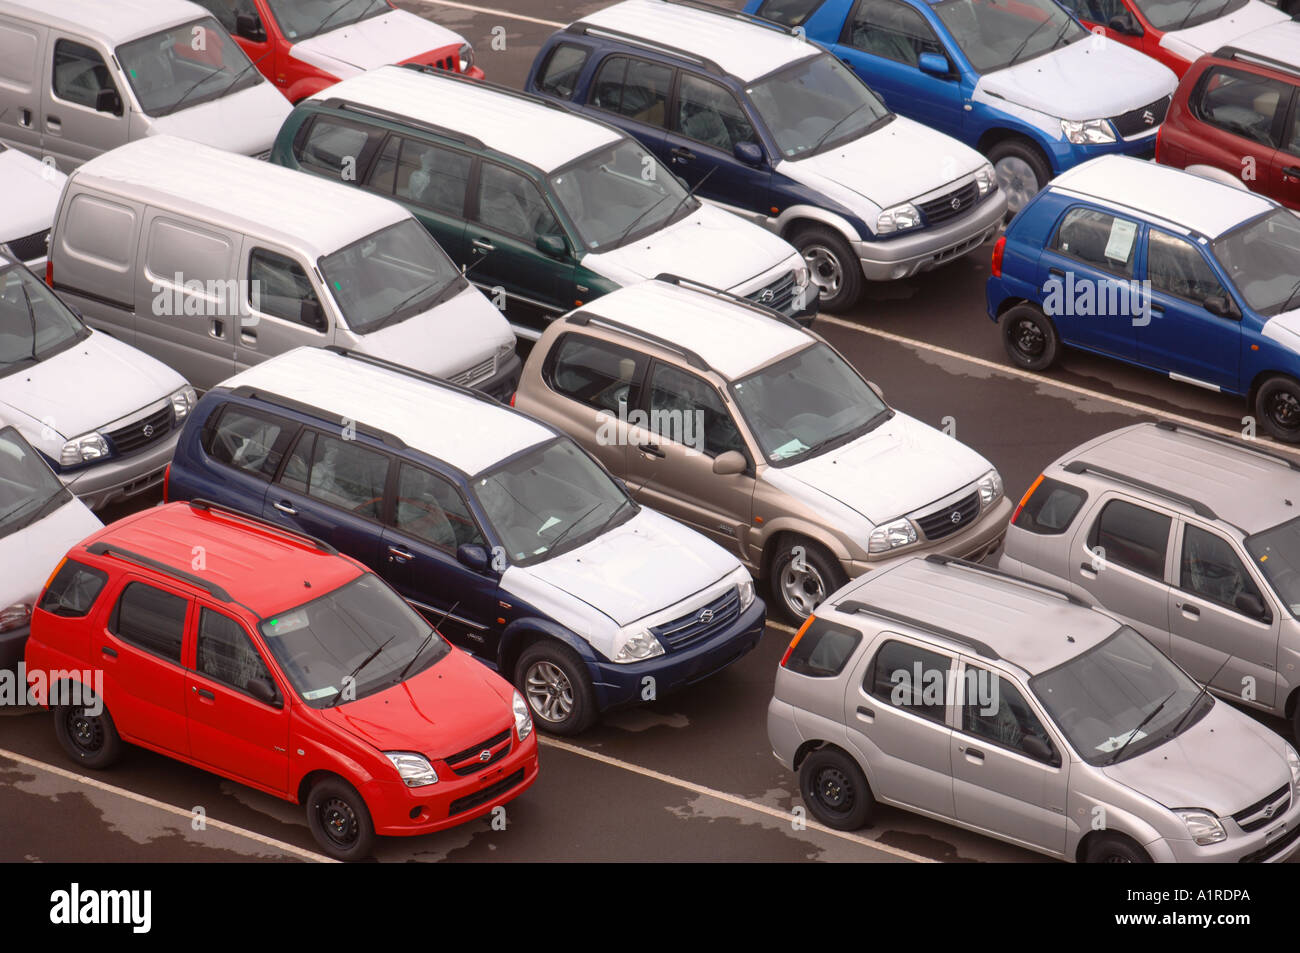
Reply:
x=1258, y=59
x=737, y=15
x=488, y=84
x=376, y=112
x=583, y=318
x=939, y=559
x=103, y=548
x=855, y=606
x=762, y=309
x=588, y=29
x=248, y=392
x=1196, y=506
x=411, y=372
x=207, y=506
x=1230, y=441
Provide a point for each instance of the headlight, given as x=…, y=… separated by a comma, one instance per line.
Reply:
x=466, y=57
x=640, y=646
x=801, y=276
x=91, y=446
x=523, y=717
x=183, y=401
x=897, y=219
x=990, y=487
x=19, y=614
x=1203, y=826
x=506, y=349
x=1292, y=759
x=1088, y=132
x=414, y=768
x=891, y=536
x=745, y=589
x=986, y=179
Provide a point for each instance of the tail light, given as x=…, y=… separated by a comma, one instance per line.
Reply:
x=1025, y=499
x=49, y=271
x=797, y=636
x=512, y=398
x=998, y=249
x=167, y=475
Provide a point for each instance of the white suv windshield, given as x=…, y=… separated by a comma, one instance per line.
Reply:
x=814, y=103
x=186, y=65
x=1263, y=260
x=28, y=488
x=34, y=324
x=549, y=499
x=995, y=34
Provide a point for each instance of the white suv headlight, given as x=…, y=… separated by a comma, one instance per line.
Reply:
x=83, y=449
x=891, y=536
x=523, y=717
x=183, y=402
x=1204, y=826
x=990, y=487
x=744, y=586
x=466, y=57
x=986, y=179
x=898, y=219
x=1293, y=762
x=414, y=768
x=640, y=646
x=1088, y=132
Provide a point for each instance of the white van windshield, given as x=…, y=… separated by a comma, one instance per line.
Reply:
x=185, y=65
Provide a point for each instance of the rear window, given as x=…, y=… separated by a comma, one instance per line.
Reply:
x=246, y=440
x=332, y=147
x=789, y=12
x=74, y=589
x=823, y=650
x=600, y=375
x=1051, y=508
x=150, y=619
x=559, y=77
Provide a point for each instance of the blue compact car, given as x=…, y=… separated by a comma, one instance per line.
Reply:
x=1162, y=269
x=1020, y=80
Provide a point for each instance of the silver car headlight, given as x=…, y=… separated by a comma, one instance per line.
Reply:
x=523, y=717
x=1089, y=132
x=414, y=769
x=1204, y=827
x=990, y=487
x=986, y=179
x=898, y=219
x=183, y=401
x=640, y=646
x=891, y=536
x=1293, y=762
x=466, y=55
x=801, y=276
x=506, y=348
x=83, y=449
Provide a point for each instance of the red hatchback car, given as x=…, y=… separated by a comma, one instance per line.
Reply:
x=303, y=46
x=267, y=657
x=1236, y=116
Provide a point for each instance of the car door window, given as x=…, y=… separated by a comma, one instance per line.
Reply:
x=910, y=678
x=708, y=113
x=227, y=10
x=73, y=590
x=429, y=508
x=1209, y=567
x=423, y=174
x=1131, y=536
x=333, y=147
x=789, y=12
x=1241, y=103
x=246, y=440
x=687, y=409
x=150, y=619
x=1099, y=239
x=599, y=374
x=994, y=710
x=279, y=286
x=633, y=88
x=1291, y=141
x=559, y=77
x=338, y=472
x=79, y=73
x=892, y=30
x=226, y=654
x=510, y=203
x=1178, y=269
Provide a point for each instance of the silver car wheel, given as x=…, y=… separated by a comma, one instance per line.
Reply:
x=824, y=269
x=802, y=588
x=1017, y=179
x=550, y=695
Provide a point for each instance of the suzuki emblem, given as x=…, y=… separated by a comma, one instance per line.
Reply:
x=1148, y=117
x=955, y=516
x=485, y=754
x=148, y=430
x=956, y=202
x=706, y=615
x=767, y=295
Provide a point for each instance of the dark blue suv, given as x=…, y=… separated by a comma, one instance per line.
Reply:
x=516, y=543
x=763, y=123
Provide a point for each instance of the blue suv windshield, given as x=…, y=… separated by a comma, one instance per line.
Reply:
x=816, y=102
x=995, y=34
x=1263, y=260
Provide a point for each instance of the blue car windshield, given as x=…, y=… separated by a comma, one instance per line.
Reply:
x=995, y=34
x=1263, y=260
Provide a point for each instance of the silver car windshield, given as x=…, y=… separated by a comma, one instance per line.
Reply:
x=185, y=65
x=806, y=403
x=34, y=324
x=1276, y=553
x=816, y=103
x=1263, y=260
x=1102, y=696
x=995, y=34
x=548, y=500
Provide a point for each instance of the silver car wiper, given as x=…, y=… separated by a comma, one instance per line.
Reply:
x=1141, y=724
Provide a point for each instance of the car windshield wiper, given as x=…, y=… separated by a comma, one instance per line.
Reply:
x=352, y=678
x=1190, y=11
x=1295, y=290
x=627, y=501
x=574, y=525
x=636, y=221
x=1141, y=724
x=419, y=650
x=1197, y=700
x=175, y=107
x=841, y=121
x=1033, y=33
x=853, y=433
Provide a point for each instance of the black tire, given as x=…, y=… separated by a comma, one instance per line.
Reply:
x=835, y=790
x=560, y=694
x=832, y=265
x=339, y=820
x=820, y=576
x=1029, y=337
x=91, y=741
x=1115, y=849
x=1014, y=162
x=1277, y=408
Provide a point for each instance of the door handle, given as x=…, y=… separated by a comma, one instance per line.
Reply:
x=1087, y=570
x=483, y=245
x=975, y=754
x=109, y=651
x=53, y=123
x=204, y=693
x=866, y=712
x=248, y=337
x=682, y=153
x=285, y=508
x=218, y=328
x=1292, y=170
x=398, y=554
x=650, y=450
x=1189, y=609
x=25, y=118
x=1055, y=273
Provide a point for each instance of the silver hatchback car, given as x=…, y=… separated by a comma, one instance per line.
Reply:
x=1015, y=710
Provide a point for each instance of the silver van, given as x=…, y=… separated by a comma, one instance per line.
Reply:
x=1009, y=708
x=79, y=77
x=212, y=262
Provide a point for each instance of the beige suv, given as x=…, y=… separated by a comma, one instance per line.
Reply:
x=731, y=418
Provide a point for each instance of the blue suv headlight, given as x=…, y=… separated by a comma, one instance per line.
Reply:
x=1089, y=132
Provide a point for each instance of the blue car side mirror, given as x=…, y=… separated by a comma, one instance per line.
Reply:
x=936, y=64
x=750, y=153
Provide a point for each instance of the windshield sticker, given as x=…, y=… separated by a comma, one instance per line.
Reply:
x=1110, y=744
x=284, y=624
x=790, y=449
x=1122, y=235
x=316, y=693
x=550, y=521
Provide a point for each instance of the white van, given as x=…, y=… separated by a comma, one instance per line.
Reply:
x=212, y=262
x=79, y=77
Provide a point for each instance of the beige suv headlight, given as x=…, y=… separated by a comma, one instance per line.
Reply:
x=891, y=536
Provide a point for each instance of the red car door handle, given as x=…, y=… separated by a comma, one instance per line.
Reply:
x=1292, y=170
x=110, y=652
x=204, y=693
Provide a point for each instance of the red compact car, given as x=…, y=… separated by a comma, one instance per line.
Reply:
x=1236, y=117
x=267, y=657
x=303, y=46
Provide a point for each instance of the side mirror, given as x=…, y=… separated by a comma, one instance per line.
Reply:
x=472, y=556
x=310, y=314
x=249, y=26
x=553, y=245
x=1039, y=749
x=936, y=64
x=1248, y=603
x=263, y=689
x=750, y=153
x=1221, y=306
x=1125, y=24
x=729, y=462
x=108, y=101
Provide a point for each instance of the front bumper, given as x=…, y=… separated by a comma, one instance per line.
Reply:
x=505, y=381
x=1066, y=155
x=979, y=540
x=618, y=685
x=1271, y=844
x=98, y=485
x=892, y=258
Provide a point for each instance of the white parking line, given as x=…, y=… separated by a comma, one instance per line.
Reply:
x=777, y=813
x=491, y=12
x=169, y=808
